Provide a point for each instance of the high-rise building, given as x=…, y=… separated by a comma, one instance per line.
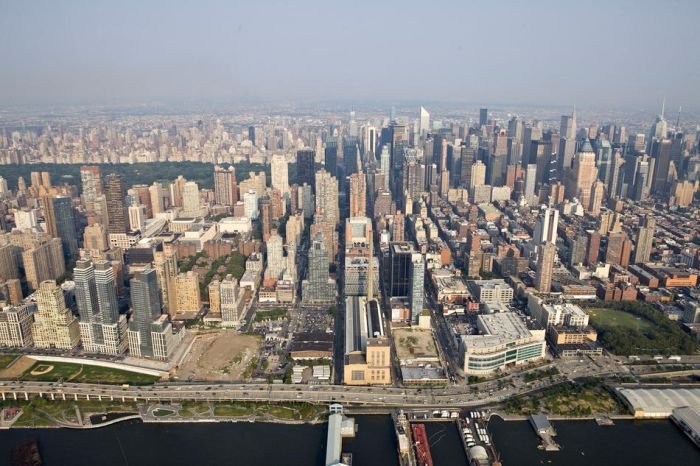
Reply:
x=229, y=302
x=54, y=324
x=330, y=154
x=545, y=266
x=585, y=173
x=417, y=292
x=115, y=195
x=225, y=186
x=9, y=262
x=250, y=203
x=546, y=226
x=44, y=261
x=275, y=257
x=597, y=195
x=266, y=217
x=305, y=167
x=358, y=195
x=137, y=217
x=645, y=238
x=318, y=288
x=146, y=307
x=190, y=200
x=483, y=116
x=280, y=176
x=16, y=325
x=91, y=181
x=661, y=153
x=326, y=198
x=188, y=299
x=95, y=239
x=399, y=274
x=156, y=192
x=618, y=249
x=165, y=265
x=102, y=329
x=60, y=223
x=424, y=124
x=478, y=175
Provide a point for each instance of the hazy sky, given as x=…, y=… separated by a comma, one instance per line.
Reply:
x=598, y=53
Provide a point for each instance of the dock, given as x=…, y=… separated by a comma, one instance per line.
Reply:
x=545, y=431
x=688, y=420
x=402, y=428
x=339, y=427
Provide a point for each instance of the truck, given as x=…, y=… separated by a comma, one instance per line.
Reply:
x=125, y=386
x=674, y=358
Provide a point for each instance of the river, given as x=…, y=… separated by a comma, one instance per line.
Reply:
x=584, y=443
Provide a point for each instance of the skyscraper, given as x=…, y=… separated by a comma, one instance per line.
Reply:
x=317, y=288
x=279, y=173
x=331, y=155
x=146, y=307
x=545, y=266
x=483, y=116
x=225, y=187
x=305, y=167
x=54, y=324
x=165, y=265
x=102, y=329
x=156, y=193
x=585, y=173
x=645, y=238
x=399, y=276
x=546, y=226
x=266, y=217
x=60, y=223
x=115, y=193
x=424, y=125
x=417, y=292
x=326, y=198
x=358, y=195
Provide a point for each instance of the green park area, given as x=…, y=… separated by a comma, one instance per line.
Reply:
x=286, y=411
x=6, y=359
x=40, y=412
x=43, y=371
x=567, y=399
x=631, y=327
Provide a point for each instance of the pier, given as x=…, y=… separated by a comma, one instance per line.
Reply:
x=688, y=420
x=545, y=431
x=339, y=427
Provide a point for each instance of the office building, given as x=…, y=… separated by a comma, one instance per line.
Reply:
x=504, y=340
x=399, y=274
x=146, y=307
x=165, y=265
x=305, y=167
x=44, y=261
x=95, y=239
x=585, y=173
x=495, y=291
x=417, y=284
x=318, y=288
x=54, y=326
x=250, y=204
x=156, y=193
x=483, y=116
x=60, y=223
x=546, y=226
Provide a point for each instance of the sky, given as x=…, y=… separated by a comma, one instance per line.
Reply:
x=550, y=52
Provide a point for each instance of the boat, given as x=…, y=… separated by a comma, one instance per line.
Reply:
x=420, y=438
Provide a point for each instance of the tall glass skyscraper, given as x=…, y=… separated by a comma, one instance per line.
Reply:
x=145, y=305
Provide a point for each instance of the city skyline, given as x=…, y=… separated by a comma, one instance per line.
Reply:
x=242, y=53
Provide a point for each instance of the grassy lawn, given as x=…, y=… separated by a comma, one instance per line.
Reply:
x=296, y=411
x=162, y=412
x=614, y=318
x=6, y=359
x=79, y=373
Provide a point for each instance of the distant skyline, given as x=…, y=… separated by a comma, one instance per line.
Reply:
x=597, y=54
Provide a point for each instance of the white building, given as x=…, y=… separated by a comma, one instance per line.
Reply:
x=16, y=326
x=495, y=291
x=250, y=204
x=504, y=341
x=190, y=199
x=548, y=314
x=237, y=225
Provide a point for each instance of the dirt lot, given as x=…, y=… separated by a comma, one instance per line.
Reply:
x=221, y=356
x=413, y=343
x=17, y=369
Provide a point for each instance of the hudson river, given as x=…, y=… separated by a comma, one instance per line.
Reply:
x=652, y=443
